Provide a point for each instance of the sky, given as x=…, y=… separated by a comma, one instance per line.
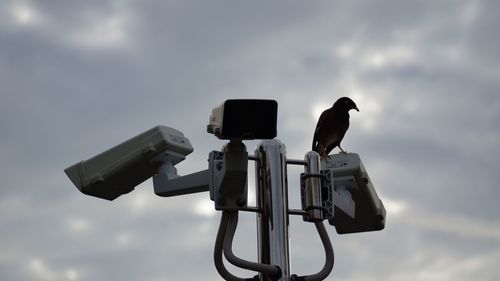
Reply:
x=78, y=77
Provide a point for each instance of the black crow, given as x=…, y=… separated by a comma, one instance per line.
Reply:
x=332, y=126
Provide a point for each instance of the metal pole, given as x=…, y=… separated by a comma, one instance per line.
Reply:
x=272, y=200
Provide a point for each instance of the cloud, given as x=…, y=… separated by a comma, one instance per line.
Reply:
x=24, y=14
x=80, y=77
x=450, y=224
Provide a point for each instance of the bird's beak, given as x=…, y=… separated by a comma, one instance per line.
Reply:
x=357, y=109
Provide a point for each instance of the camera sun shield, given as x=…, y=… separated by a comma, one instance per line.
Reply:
x=118, y=170
x=244, y=119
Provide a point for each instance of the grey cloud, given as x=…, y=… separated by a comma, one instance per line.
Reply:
x=424, y=75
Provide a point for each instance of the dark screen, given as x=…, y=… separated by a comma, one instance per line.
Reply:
x=249, y=119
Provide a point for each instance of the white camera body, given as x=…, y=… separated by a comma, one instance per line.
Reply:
x=357, y=205
x=118, y=170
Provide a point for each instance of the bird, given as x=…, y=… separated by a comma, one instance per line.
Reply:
x=332, y=126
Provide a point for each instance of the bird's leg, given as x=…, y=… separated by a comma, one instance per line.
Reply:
x=342, y=151
x=324, y=154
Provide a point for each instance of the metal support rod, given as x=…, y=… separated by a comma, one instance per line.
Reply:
x=272, y=200
x=329, y=257
x=219, y=243
x=297, y=212
x=241, y=263
x=296, y=162
x=312, y=192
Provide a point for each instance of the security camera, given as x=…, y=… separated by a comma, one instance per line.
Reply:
x=357, y=205
x=244, y=119
x=118, y=170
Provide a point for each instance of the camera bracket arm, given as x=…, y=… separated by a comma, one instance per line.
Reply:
x=226, y=177
x=168, y=183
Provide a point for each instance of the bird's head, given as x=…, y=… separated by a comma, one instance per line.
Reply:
x=346, y=103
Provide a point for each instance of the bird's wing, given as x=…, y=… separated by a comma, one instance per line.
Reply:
x=319, y=127
x=336, y=135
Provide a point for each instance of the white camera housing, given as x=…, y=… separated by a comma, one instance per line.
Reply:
x=357, y=205
x=118, y=170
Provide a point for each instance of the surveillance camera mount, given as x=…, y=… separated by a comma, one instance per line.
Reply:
x=311, y=191
x=336, y=189
x=168, y=183
x=228, y=176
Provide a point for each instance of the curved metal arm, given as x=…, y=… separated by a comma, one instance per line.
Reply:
x=219, y=242
x=330, y=257
x=228, y=252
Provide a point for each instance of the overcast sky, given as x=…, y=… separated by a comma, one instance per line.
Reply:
x=78, y=77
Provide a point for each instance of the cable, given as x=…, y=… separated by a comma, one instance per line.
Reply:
x=329, y=261
x=219, y=242
x=267, y=269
